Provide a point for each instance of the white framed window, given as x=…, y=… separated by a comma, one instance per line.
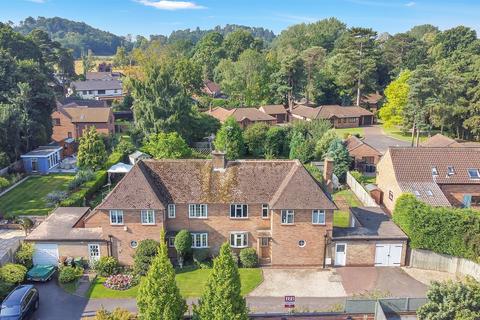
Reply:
x=434, y=171
x=265, y=210
x=288, y=216
x=171, y=210
x=318, y=216
x=239, y=239
x=450, y=170
x=199, y=240
x=148, y=216
x=390, y=195
x=474, y=174
x=199, y=211
x=171, y=242
x=238, y=211
x=116, y=217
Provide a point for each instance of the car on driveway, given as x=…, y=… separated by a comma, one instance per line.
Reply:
x=41, y=272
x=20, y=304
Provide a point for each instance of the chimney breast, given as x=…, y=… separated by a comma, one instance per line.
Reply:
x=328, y=173
x=219, y=161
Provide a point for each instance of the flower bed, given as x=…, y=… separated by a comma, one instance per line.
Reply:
x=119, y=282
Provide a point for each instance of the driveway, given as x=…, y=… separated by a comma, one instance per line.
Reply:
x=375, y=137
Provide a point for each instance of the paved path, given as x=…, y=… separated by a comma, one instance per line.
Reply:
x=375, y=137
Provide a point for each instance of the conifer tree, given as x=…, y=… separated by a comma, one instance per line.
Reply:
x=91, y=151
x=222, y=299
x=158, y=296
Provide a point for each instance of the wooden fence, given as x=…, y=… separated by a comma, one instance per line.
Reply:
x=360, y=192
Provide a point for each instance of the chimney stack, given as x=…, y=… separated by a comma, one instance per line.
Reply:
x=328, y=173
x=219, y=161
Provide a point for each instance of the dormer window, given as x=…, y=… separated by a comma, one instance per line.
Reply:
x=434, y=171
x=429, y=193
x=450, y=170
x=473, y=174
x=416, y=193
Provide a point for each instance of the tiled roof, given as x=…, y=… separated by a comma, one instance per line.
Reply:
x=305, y=112
x=86, y=114
x=97, y=85
x=330, y=111
x=273, y=109
x=372, y=98
x=439, y=140
x=70, y=102
x=428, y=192
x=352, y=142
x=211, y=87
x=239, y=114
x=415, y=164
x=156, y=183
x=106, y=76
x=59, y=225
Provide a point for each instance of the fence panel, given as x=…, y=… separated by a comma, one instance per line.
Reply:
x=360, y=192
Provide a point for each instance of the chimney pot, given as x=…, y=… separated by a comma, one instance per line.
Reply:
x=219, y=161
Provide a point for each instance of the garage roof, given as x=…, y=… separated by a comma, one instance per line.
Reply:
x=371, y=223
x=65, y=224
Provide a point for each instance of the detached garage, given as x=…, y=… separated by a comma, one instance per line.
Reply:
x=372, y=239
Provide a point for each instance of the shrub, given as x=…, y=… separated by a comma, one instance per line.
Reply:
x=144, y=254
x=200, y=255
x=119, y=282
x=106, y=266
x=5, y=289
x=80, y=178
x=358, y=176
x=125, y=147
x=183, y=245
x=4, y=160
x=89, y=188
x=24, y=255
x=117, y=314
x=55, y=197
x=248, y=258
x=114, y=158
x=69, y=274
x=4, y=183
x=13, y=273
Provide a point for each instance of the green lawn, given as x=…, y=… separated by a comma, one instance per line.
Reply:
x=191, y=284
x=344, y=199
x=28, y=198
x=343, y=131
x=396, y=133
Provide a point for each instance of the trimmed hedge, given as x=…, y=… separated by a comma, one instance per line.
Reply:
x=86, y=191
x=443, y=230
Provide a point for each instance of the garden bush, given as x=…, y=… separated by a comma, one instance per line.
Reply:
x=106, y=266
x=4, y=183
x=55, y=197
x=69, y=274
x=117, y=314
x=5, y=289
x=201, y=257
x=86, y=191
x=144, y=254
x=248, y=258
x=183, y=245
x=24, y=255
x=80, y=178
x=119, y=282
x=13, y=273
x=443, y=230
x=114, y=158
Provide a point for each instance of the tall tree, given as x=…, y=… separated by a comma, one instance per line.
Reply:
x=158, y=294
x=236, y=42
x=91, y=150
x=167, y=146
x=229, y=139
x=341, y=158
x=208, y=53
x=120, y=59
x=222, y=298
x=396, y=94
x=314, y=59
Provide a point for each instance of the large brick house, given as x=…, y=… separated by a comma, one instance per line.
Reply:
x=278, y=111
x=274, y=206
x=364, y=156
x=447, y=176
x=244, y=116
x=339, y=116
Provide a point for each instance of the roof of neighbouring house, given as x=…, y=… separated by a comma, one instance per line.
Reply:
x=273, y=109
x=371, y=224
x=372, y=98
x=91, y=103
x=42, y=151
x=240, y=114
x=106, y=76
x=211, y=87
x=61, y=225
x=330, y=111
x=139, y=154
x=439, y=140
x=97, y=85
x=353, y=142
x=86, y=114
x=156, y=183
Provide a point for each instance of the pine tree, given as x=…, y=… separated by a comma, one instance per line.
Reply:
x=221, y=299
x=91, y=151
x=339, y=153
x=158, y=295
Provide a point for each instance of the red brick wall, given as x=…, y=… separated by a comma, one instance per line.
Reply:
x=364, y=151
x=60, y=132
x=339, y=123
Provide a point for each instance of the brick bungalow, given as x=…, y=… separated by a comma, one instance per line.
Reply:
x=439, y=140
x=339, y=116
x=212, y=89
x=244, y=116
x=364, y=156
x=278, y=111
x=438, y=176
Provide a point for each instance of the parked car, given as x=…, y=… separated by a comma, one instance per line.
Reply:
x=20, y=304
x=41, y=272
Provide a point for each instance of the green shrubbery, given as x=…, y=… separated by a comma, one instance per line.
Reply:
x=4, y=183
x=69, y=274
x=106, y=266
x=248, y=258
x=144, y=254
x=13, y=273
x=24, y=255
x=86, y=191
x=443, y=230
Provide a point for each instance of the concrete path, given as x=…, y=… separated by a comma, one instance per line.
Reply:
x=375, y=137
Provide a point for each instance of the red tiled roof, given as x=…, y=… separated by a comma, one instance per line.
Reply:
x=273, y=109
x=240, y=114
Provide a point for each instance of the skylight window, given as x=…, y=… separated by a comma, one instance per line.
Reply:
x=450, y=170
x=416, y=192
x=473, y=174
x=429, y=193
x=434, y=171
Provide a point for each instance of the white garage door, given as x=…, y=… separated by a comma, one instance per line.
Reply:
x=45, y=253
x=388, y=254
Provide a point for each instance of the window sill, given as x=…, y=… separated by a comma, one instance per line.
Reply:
x=201, y=247
x=149, y=224
x=171, y=217
x=287, y=224
x=319, y=224
x=201, y=218
x=117, y=224
x=239, y=218
x=238, y=247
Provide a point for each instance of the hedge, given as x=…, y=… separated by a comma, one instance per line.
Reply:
x=444, y=230
x=86, y=191
x=114, y=158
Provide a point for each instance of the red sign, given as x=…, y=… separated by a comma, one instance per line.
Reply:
x=289, y=301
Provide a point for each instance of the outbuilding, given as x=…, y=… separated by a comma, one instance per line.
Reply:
x=42, y=159
x=372, y=239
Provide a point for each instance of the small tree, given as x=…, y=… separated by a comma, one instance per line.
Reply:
x=222, y=298
x=301, y=148
x=91, y=151
x=323, y=144
x=183, y=245
x=275, y=142
x=25, y=223
x=167, y=146
x=255, y=138
x=144, y=254
x=158, y=295
x=339, y=153
x=230, y=139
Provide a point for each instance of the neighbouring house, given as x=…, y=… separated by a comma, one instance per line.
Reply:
x=42, y=159
x=372, y=101
x=137, y=156
x=438, y=176
x=244, y=116
x=105, y=76
x=364, y=156
x=63, y=234
x=339, y=116
x=71, y=120
x=278, y=111
x=273, y=206
x=97, y=89
x=372, y=239
x=439, y=140
x=72, y=101
x=212, y=89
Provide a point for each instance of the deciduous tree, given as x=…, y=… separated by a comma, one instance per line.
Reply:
x=230, y=139
x=167, y=146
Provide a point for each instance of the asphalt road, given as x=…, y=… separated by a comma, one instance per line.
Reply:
x=375, y=137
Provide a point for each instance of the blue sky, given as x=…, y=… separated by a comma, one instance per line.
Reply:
x=147, y=17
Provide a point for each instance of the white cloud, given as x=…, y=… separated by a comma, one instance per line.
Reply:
x=38, y=1
x=168, y=4
x=410, y=4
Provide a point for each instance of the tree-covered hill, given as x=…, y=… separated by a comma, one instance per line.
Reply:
x=77, y=36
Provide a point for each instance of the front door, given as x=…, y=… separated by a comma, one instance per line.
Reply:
x=34, y=165
x=340, y=254
x=265, y=247
x=94, y=252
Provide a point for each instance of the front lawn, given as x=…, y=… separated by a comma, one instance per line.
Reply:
x=396, y=133
x=342, y=132
x=191, y=284
x=28, y=198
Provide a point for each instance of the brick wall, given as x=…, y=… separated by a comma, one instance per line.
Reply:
x=387, y=181
x=61, y=131
x=362, y=252
x=80, y=249
x=345, y=123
